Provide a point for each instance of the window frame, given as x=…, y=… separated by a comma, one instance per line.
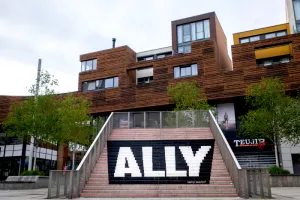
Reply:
x=94, y=65
x=180, y=27
x=261, y=62
x=185, y=68
x=262, y=36
x=98, y=85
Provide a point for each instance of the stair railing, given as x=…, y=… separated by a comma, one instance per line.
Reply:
x=69, y=184
x=248, y=182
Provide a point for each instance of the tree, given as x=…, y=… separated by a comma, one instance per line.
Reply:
x=274, y=115
x=49, y=117
x=188, y=97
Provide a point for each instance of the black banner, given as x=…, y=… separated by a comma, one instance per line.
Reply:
x=160, y=161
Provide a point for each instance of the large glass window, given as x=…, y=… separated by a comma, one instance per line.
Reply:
x=89, y=65
x=100, y=84
x=186, y=71
x=192, y=32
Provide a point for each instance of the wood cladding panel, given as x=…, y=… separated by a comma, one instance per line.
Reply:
x=121, y=62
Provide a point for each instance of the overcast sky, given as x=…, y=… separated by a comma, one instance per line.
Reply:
x=58, y=31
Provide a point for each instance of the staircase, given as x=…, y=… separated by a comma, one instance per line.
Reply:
x=220, y=181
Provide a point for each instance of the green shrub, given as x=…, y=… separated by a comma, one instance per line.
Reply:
x=33, y=173
x=275, y=170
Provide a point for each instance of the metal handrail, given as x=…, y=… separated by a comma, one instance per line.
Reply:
x=225, y=141
x=94, y=142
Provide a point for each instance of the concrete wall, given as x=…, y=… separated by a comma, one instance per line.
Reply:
x=286, y=151
x=290, y=16
x=42, y=182
x=285, y=181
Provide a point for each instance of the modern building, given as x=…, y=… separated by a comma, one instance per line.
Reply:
x=120, y=79
x=293, y=15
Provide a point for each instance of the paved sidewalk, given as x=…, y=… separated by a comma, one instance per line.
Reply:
x=23, y=194
x=292, y=193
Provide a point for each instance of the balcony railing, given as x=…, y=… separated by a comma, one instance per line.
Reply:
x=165, y=119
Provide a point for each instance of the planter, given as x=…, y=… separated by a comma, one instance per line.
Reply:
x=24, y=182
x=285, y=180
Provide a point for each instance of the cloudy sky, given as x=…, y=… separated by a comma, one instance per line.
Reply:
x=58, y=31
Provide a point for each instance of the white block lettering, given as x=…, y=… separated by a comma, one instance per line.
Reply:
x=171, y=163
x=125, y=153
x=148, y=164
x=194, y=161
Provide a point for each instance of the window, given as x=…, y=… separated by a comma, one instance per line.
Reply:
x=186, y=33
x=206, y=29
x=274, y=60
x=179, y=34
x=193, y=27
x=263, y=36
x=109, y=82
x=144, y=75
x=144, y=80
x=297, y=13
x=176, y=72
x=149, y=58
x=89, y=65
x=100, y=84
x=281, y=33
x=200, y=30
x=184, y=49
x=254, y=38
x=161, y=56
x=270, y=35
x=192, y=32
x=91, y=85
x=180, y=49
x=116, y=82
x=244, y=40
x=186, y=71
x=155, y=56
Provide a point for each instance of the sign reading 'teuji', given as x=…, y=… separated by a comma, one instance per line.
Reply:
x=160, y=161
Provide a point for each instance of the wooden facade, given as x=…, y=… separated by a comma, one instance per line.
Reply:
x=219, y=78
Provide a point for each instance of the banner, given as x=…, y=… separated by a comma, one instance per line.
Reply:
x=160, y=161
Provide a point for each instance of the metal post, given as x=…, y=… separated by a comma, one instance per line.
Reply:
x=268, y=185
x=128, y=120
x=254, y=182
x=50, y=184
x=144, y=119
x=176, y=113
x=65, y=184
x=193, y=118
x=262, y=195
x=160, y=119
x=36, y=95
x=57, y=186
x=78, y=183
